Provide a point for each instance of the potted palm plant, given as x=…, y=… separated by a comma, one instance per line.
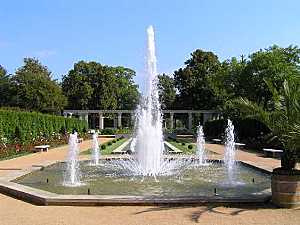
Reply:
x=284, y=123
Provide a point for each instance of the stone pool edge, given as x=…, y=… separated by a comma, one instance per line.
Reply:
x=45, y=198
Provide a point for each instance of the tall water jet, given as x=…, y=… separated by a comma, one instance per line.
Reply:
x=149, y=135
x=229, y=155
x=95, y=150
x=201, y=152
x=72, y=172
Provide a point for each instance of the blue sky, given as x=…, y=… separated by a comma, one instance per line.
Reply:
x=61, y=32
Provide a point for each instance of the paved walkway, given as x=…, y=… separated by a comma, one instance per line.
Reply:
x=54, y=154
x=16, y=212
x=255, y=159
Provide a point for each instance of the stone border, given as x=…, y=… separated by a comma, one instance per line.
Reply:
x=40, y=197
x=120, y=148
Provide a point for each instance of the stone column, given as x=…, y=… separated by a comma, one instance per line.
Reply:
x=171, y=120
x=101, y=121
x=190, y=121
x=206, y=117
x=115, y=123
x=86, y=117
x=119, y=120
x=132, y=116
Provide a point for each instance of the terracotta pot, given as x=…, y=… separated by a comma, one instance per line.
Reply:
x=286, y=190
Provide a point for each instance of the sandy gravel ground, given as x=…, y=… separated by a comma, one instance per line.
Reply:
x=16, y=212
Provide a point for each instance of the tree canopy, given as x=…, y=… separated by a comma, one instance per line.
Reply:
x=246, y=77
x=167, y=91
x=192, y=81
x=32, y=88
x=90, y=85
x=4, y=87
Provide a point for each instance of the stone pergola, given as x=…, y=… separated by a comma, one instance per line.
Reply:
x=85, y=114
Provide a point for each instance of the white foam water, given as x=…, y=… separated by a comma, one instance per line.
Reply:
x=72, y=172
x=201, y=153
x=229, y=154
x=148, y=143
x=95, y=150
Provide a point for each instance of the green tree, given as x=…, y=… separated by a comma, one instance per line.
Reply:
x=127, y=90
x=3, y=71
x=35, y=90
x=192, y=81
x=228, y=83
x=167, y=91
x=283, y=120
x=5, y=87
x=275, y=64
x=245, y=77
x=90, y=85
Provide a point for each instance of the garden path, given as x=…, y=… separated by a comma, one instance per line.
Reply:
x=54, y=154
x=252, y=158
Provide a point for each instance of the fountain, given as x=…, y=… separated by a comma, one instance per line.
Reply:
x=72, y=172
x=148, y=144
x=229, y=155
x=149, y=140
x=201, y=152
x=164, y=178
x=95, y=150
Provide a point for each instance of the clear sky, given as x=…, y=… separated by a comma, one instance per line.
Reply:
x=61, y=32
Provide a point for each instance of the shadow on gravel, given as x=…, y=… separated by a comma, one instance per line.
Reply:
x=232, y=210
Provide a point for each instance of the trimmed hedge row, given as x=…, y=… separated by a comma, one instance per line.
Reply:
x=249, y=131
x=111, y=131
x=24, y=127
x=244, y=128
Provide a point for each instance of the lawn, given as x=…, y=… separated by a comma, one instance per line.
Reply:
x=109, y=148
x=184, y=148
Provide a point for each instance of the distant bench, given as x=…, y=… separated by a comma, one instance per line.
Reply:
x=240, y=145
x=216, y=141
x=41, y=148
x=274, y=152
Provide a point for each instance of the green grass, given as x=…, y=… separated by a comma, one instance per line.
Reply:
x=109, y=148
x=184, y=148
x=186, y=140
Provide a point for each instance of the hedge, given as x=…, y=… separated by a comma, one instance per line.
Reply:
x=244, y=128
x=23, y=127
x=249, y=131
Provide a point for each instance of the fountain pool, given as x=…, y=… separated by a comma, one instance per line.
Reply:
x=108, y=179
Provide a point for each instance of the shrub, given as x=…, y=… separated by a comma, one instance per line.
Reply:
x=109, y=143
x=114, y=141
x=108, y=131
x=103, y=147
x=190, y=146
x=25, y=127
x=182, y=143
x=183, y=131
x=123, y=131
x=249, y=131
